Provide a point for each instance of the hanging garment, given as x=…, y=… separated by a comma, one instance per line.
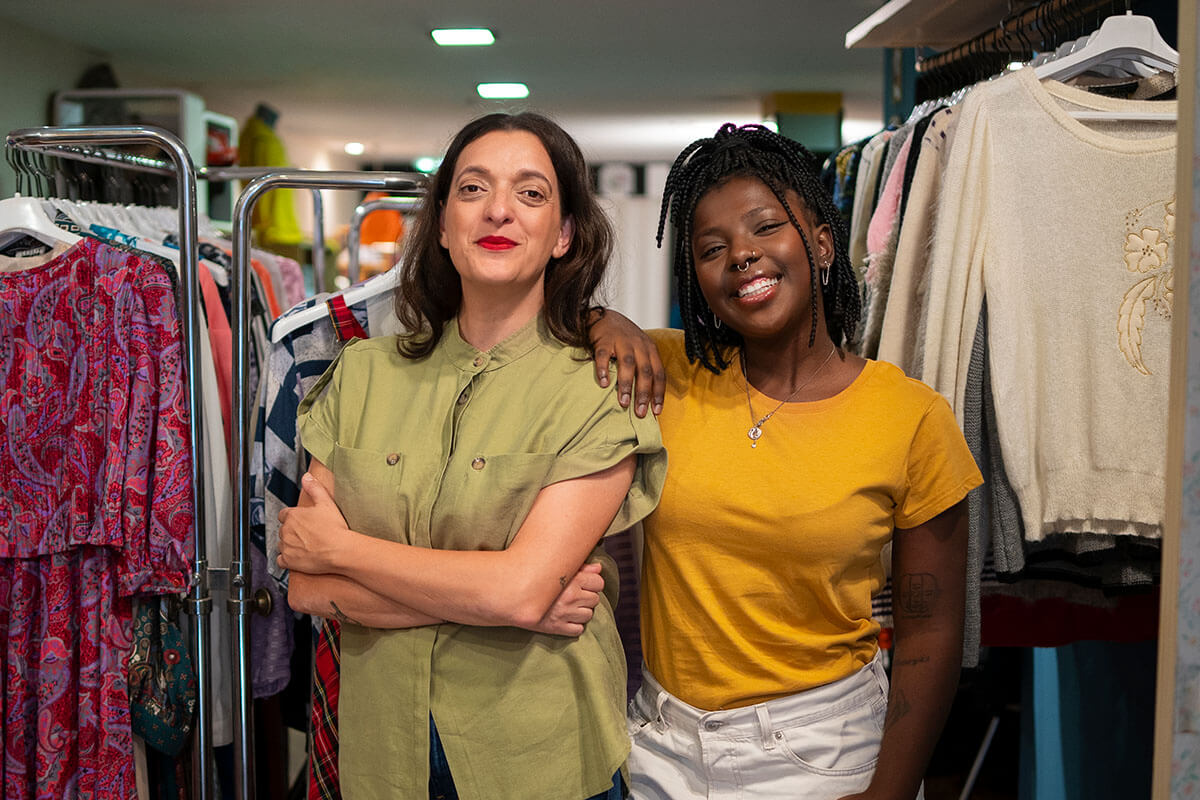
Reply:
x=95, y=500
x=1071, y=242
x=275, y=213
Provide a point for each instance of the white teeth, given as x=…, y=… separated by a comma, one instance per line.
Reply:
x=757, y=286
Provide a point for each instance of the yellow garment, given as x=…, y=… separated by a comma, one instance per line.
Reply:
x=760, y=564
x=275, y=212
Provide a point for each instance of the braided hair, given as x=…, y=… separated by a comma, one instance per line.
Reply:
x=782, y=164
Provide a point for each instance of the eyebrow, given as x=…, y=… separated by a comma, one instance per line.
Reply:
x=524, y=174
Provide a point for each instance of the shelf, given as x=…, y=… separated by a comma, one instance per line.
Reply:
x=939, y=24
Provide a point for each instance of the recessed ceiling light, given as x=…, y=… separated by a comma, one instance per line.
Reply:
x=502, y=91
x=459, y=37
x=427, y=164
x=355, y=148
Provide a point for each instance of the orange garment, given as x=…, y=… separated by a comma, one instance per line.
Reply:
x=381, y=225
x=221, y=338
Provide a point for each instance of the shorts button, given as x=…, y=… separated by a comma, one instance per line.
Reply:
x=393, y=459
x=712, y=725
x=478, y=463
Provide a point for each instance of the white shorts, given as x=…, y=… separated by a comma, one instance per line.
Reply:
x=822, y=743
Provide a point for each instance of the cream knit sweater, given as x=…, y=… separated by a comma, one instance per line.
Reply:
x=1068, y=227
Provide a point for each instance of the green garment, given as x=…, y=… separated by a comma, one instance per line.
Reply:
x=450, y=451
x=274, y=220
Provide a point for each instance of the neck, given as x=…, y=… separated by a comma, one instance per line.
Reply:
x=487, y=317
x=777, y=370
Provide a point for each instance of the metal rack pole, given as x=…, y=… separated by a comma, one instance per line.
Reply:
x=199, y=603
x=318, y=252
x=240, y=605
x=407, y=202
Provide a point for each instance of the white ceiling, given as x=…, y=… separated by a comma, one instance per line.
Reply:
x=630, y=78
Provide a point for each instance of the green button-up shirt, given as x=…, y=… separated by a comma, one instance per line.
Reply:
x=449, y=451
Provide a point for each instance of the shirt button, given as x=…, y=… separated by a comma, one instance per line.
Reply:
x=712, y=725
x=478, y=463
x=462, y=398
x=393, y=459
x=479, y=361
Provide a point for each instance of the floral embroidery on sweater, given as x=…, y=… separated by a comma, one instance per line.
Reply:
x=1147, y=253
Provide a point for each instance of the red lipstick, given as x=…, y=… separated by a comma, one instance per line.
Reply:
x=496, y=243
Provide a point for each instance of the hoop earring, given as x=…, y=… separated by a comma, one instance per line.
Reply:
x=716, y=321
x=825, y=276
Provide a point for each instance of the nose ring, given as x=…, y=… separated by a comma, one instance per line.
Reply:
x=742, y=266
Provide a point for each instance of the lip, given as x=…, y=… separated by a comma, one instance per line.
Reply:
x=496, y=243
x=761, y=295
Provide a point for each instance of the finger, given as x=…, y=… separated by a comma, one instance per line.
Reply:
x=279, y=561
x=626, y=370
x=660, y=382
x=645, y=379
x=591, y=583
x=592, y=566
x=581, y=615
x=313, y=488
x=603, y=356
x=282, y=514
x=569, y=629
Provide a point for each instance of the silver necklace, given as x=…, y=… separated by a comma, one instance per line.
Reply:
x=755, y=432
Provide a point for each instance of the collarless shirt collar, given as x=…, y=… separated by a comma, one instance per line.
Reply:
x=466, y=357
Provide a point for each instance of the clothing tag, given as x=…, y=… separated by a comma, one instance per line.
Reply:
x=25, y=247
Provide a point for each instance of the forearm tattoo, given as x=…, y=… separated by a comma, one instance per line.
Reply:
x=911, y=661
x=339, y=616
x=919, y=594
x=562, y=581
x=898, y=708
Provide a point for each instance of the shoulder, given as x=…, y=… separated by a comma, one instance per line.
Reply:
x=891, y=386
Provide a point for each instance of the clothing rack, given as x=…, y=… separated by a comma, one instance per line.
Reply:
x=77, y=143
x=1017, y=37
x=318, y=237
x=240, y=604
x=409, y=201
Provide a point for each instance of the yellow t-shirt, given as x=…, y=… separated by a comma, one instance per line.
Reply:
x=760, y=564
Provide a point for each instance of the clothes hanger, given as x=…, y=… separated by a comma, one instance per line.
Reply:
x=385, y=282
x=1124, y=37
x=23, y=216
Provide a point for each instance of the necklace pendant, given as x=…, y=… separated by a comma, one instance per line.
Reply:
x=754, y=433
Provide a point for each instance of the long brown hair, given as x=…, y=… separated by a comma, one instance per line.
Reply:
x=430, y=290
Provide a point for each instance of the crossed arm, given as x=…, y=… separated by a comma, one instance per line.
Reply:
x=340, y=573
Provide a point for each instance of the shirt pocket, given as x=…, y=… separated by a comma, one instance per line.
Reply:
x=367, y=490
x=509, y=484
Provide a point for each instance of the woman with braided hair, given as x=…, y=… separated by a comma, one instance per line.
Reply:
x=793, y=464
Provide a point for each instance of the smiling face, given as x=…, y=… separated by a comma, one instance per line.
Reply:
x=502, y=221
x=740, y=222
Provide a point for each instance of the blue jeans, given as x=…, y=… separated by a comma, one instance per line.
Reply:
x=441, y=783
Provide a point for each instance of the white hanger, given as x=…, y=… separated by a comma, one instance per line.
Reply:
x=359, y=292
x=23, y=216
x=1124, y=37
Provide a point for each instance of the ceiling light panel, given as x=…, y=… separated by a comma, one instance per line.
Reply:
x=462, y=37
x=502, y=91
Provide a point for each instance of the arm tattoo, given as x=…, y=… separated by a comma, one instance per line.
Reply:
x=898, y=708
x=339, y=616
x=562, y=581
x=919, y=593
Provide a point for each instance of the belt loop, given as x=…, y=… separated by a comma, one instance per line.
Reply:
x=660, y=722
x=880, y=674
x=764, y=726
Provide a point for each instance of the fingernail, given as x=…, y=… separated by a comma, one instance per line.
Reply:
x=604, y=381
x=625, y=398
x=657, y=409
x=307, y=478
x=641, y=409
